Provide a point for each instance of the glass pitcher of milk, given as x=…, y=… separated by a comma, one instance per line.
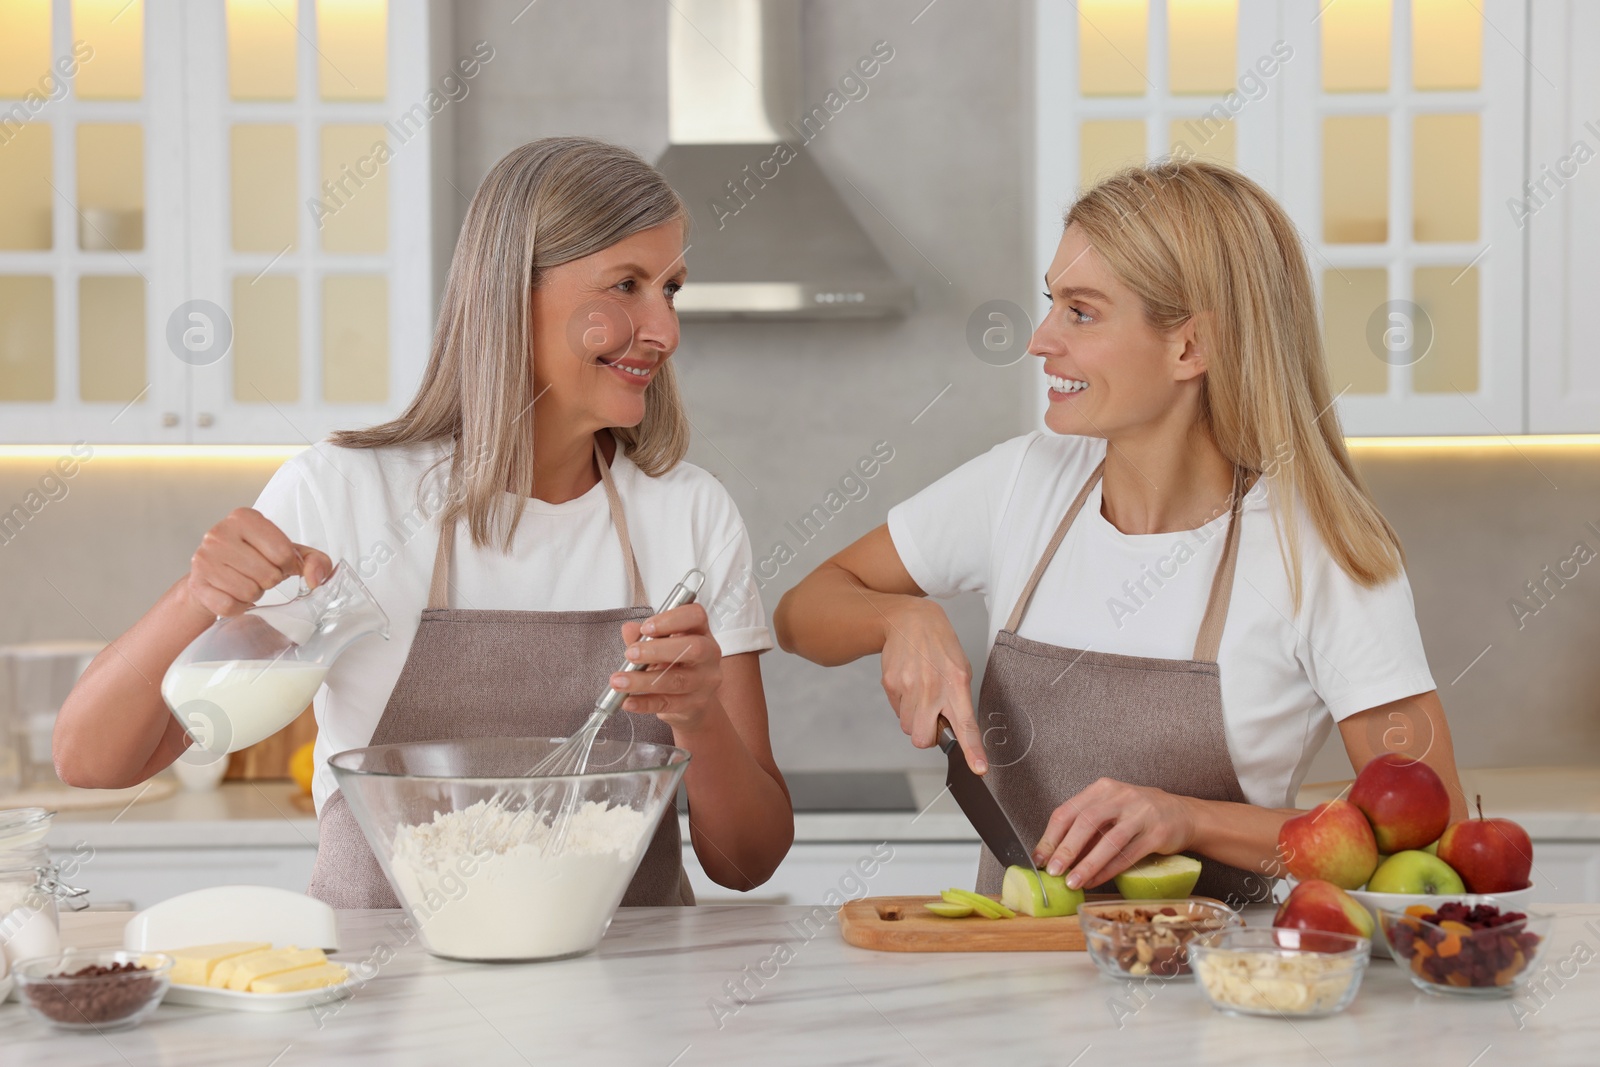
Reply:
x=249, y=676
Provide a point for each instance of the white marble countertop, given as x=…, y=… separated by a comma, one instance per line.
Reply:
x=649, y=997
x=1552, y=803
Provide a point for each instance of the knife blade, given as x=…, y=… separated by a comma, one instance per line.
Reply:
x=983, y=811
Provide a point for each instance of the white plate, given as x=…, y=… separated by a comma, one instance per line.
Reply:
x=206, y=997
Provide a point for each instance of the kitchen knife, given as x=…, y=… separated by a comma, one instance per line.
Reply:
x=982, y=810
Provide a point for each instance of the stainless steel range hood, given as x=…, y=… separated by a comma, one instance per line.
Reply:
x=772, y=238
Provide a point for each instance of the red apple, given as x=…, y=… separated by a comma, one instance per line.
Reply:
x=1332, y=842
x=1491, y=855
x=1319, y=905
x=1404, y=799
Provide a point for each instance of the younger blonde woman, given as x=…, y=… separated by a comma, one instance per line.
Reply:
x=516, y=522
x=1187, y=583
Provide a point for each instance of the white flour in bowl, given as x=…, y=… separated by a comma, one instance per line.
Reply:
x=477, y=902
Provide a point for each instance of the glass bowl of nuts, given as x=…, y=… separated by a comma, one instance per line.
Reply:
x=95, y=990
x=1461, y=948
x=1281, y=972
x=1147, y=938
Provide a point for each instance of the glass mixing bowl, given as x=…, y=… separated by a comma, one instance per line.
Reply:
x=464, y=837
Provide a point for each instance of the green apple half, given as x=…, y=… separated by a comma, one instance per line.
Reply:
x=1159, y=878
x=1042, y=895
x=1415, y=872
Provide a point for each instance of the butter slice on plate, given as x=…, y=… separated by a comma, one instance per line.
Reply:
x=194, y=965
x=249, y=969
x=302, y=978
x=224, y=969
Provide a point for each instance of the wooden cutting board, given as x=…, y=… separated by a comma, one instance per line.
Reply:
x=902, y=924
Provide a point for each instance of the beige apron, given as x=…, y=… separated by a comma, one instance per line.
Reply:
x=1055, y=720
x=503, y=674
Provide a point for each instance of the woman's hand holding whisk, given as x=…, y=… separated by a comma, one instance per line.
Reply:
x=681, y=668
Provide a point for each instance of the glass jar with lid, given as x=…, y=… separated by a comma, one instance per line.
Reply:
x=31, y=890
x=35, y=678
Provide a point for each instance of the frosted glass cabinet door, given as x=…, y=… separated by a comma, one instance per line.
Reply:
x=1562, y=215
x=1399, y=153
x=91, y=227
x=1120, y=82
x=210, y=232
x=313, y=217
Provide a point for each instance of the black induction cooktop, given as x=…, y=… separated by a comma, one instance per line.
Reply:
x=843, y=791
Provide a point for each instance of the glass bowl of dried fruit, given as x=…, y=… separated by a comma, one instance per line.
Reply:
x=1457, y=948
x=1148, y=938
x=1279, y=971
x=96, y=990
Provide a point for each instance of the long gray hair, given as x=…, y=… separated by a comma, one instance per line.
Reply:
x=546, y=203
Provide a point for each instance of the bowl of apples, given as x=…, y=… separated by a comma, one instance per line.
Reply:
x=1391, y=846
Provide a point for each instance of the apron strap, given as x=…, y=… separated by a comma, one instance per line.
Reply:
x=620, y=522
x=438, y=591
x=1210, y=636
x=1026, y=596
x=438, y=585
x=1209, y=640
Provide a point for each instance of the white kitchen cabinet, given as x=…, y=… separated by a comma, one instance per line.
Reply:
x=1560, y=213
x=136, y=878
x=1392, y=132
x=221, y=217
x=1567, y=872
x=812, y=871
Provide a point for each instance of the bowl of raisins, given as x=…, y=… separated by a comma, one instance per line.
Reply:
x=1458, y=948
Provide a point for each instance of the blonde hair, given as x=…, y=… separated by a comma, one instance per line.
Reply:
x=1194, y=238
x=546, y=203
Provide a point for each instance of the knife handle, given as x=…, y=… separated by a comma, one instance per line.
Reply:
x=947, y=735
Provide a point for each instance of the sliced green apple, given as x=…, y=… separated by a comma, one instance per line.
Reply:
x=979, y=903
x=1042, y=895
x=947, y=910
x=1159, y=878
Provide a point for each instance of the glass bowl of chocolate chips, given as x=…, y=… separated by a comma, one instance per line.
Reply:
x=97, y=990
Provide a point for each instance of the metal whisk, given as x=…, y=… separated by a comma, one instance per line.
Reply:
x=571, y=757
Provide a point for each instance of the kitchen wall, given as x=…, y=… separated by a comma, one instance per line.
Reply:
x=1521, y=685
x=783, y=411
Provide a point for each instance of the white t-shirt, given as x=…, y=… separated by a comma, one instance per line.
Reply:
x=362, y=505
x=1286, y=676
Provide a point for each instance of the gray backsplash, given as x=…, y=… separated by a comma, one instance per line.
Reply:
x=781, y=412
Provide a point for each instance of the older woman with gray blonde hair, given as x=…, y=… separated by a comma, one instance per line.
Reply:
x=515, y=522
